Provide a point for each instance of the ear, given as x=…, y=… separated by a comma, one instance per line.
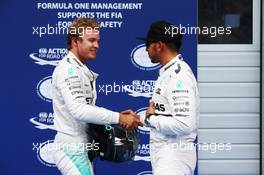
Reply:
x=159, y=46
x=74, y=41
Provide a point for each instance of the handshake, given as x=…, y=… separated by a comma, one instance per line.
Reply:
x=129, y=119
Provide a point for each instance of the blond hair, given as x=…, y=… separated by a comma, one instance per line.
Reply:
x=77, y=27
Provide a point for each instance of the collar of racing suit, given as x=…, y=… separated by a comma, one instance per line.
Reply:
x=170, y=63
x=92, y=75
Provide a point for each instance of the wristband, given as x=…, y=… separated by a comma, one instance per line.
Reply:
x=146, y=121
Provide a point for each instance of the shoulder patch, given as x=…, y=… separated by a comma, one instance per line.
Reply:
x=179, y=84
x=70, y=71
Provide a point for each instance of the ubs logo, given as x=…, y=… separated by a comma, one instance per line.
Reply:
x=145, y=173
x=44, y=89
x=142, y=129
x=141, y=60
x=45, y=152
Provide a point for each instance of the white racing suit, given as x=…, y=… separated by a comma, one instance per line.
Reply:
x=74, y=97
x=174, y=124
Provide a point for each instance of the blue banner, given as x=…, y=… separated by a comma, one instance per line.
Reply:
x=33, y=42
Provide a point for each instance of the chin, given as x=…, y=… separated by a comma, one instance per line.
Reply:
x=92, y=56
x=154, y=61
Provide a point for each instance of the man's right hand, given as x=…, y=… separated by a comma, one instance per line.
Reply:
x=129, y=119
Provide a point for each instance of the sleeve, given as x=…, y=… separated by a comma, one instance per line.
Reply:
x=182, y=100
x=69, y=84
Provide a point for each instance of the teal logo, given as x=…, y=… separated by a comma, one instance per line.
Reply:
x=70, y=71
x=179, y=84
x=108, y=127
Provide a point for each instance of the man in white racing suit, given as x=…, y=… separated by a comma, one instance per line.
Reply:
x=74, y=97
x=173, y=111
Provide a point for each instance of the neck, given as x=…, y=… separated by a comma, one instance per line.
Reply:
x=167, y=57
x=75, y=52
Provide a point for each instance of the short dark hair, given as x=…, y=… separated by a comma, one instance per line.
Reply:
x=174, y=46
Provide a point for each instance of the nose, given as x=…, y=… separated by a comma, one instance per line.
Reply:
x=96, y=44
